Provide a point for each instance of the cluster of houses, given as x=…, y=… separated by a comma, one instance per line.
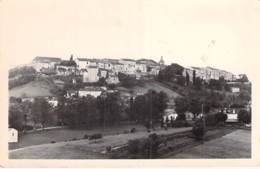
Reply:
x=91, y=70
x=207, y=73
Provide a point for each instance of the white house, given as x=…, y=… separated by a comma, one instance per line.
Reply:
x=112, y=79
x=232, y=117
x=12, y=135
x=52, y=101
x=91, y=75
x=71, y=93
x=93, y=91
x=103, y=73
x=65, y=70
x=235, y=89
x=83, y=63
x=118, y=67
x=189, y=116
x=41, y=62
x=142, y=68
x=170, y=114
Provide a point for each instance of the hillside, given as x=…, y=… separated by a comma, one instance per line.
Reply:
x=151, y=85
x=37, y=87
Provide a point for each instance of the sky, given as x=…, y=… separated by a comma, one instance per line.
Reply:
x=221, y=33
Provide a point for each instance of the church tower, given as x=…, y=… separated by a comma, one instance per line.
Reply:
x=161, y=62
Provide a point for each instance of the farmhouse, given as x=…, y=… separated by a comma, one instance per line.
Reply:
x=83, y=63
x=91, y=75
x=39, y=63
x=92, y=91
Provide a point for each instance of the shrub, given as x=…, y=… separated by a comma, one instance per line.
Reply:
x=27, y=127
x=180, y=123
x=126, y=132
x=133, y=130
x=146, y=148
x=210, y=120
x=134, y=146
x=244, y=116
x=108, y=148
x=199, y=129
x=85, y=136
x=221, y=117
x=95, y=136
x=53, y=142
x=152, y=145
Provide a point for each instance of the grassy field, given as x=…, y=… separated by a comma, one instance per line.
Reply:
x=151, y=85
x=59, y=135
x=81, y=149
x=234, y=145
x=35, y=88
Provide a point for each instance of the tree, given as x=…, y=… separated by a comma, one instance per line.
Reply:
x=198, y=83
x=194, y=77
x=16, y=117
x=195, y=106
x=110, y=109
x=41, y=111
x=221, y=117
x=243, y=78
x=199, y=128
x=126, y=80
x=181, y=106
x=170, y=73
x=187, y=79
x=149, y=107
x=244, y=116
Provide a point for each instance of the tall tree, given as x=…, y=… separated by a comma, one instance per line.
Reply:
x=187, y=79
x=41, y=111
x=194, y=77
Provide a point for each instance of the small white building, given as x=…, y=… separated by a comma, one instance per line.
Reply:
x=91, y=75
x=112, y=79
x=235, y=89
x=65, y=70
x=170, y=114
x=53, y=101
x=189, y=116
x=92, y=91
x=103, y=73
x=83, y=63
x=232, y=116
x=12, y=135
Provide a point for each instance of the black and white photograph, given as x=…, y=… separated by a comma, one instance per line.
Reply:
x=121, y=79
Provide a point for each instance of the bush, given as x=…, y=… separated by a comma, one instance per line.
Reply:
x=180, y=123
x=134, y=146
x=85, y=136
x=74, y=139
x=133, y=130
x=152, y=145
x=95, y=136
x=145, y=148
x=199, y=129
x=53, y=142
x=244, y=116
x=210, y=120
x=221, y=117
x=27, y=127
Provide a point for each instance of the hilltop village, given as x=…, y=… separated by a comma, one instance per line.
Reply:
x=113, y=96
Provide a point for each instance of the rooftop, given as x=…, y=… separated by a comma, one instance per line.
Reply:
x=46, y=59
x=131, y=60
